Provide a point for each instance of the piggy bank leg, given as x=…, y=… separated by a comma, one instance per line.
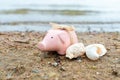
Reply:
x=61, y=52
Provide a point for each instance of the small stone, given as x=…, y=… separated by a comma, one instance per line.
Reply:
x=45, y=77
x=52, y=74
x=91, y=36
x=117, y=47
x=118, y=50
x=20, y=69
x=49, y=62
x=62, y=68
x=116, y=58
x=115, y=73
x=97, y=73
x=117, y=65
x=9, y=76
x=108, y=48
x=93, y=67
x=22, y=34
x=36, y=54
x=35, y=71
x=46, y=55
x=79, y=59
x=54, y=64
x=34, y=77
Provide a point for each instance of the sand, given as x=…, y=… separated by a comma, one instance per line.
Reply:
x=20, y=59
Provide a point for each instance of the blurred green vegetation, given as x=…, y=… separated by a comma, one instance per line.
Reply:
x=60, y=12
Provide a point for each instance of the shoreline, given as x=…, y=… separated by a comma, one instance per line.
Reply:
x=44, y=27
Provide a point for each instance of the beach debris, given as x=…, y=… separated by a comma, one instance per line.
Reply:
x=35, y=70
x=26, y=41
x=117, y=45
x=79, y=59
x=23, y=34
x=115, y=72
x=58, y=40
x=62, y=27
x=75, y=50
x=62, y=68
x=55, y=64
x=51, y=75
x=20, y=69
x=98, y=73
x=9, y=75
x=95, y=51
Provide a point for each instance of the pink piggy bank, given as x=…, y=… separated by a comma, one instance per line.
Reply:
x=58, y=40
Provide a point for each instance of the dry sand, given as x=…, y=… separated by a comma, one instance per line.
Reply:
x=20, y=59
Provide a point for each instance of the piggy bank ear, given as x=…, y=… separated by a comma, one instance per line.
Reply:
x=62, y=38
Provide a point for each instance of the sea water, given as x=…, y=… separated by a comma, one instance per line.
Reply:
x=35, y=15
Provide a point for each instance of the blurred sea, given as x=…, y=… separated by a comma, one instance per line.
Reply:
x=35, y=15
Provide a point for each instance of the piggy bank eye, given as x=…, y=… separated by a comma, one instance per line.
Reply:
x=51, y=37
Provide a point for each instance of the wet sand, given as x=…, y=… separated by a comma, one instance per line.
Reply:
x=20, y=59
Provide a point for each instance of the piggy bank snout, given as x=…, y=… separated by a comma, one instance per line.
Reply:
x=42, y=46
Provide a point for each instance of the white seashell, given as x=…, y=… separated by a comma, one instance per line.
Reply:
x=75, y=50
x=95, y=51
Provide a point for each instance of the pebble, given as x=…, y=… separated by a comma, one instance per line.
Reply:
x=117, y=65
x=115, y=73
x=79, y=59
x=46, y=55
x=9, y=76
x=93, y=67
x=50, y=76
x=97, y=73
x=118, y=50
x=54, y=64
x=45, y=77
x=35, y=71
x=62, y=68
x=22, y=34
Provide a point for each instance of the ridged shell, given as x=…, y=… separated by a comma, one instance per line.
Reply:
x=75, y=50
